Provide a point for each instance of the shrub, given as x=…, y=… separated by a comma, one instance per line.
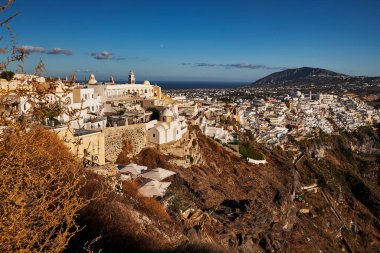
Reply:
x=8, y=75
x=147, y=205
x=130, y=188
x=41, y=180
x=39, y=192
x=123, y=157
x=250, y=153
x=153, y=207
x=249, y=134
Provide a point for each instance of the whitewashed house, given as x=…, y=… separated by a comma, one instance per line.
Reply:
x=169, y=128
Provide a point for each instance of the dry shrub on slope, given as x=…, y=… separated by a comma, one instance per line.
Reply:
x=39, y=191
x=150, y=206
x=40, y=180
x=123, y=223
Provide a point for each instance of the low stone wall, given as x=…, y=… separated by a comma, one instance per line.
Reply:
x=257, y=161
x=115, y=137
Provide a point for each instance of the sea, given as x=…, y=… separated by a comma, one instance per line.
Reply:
x=169, y=85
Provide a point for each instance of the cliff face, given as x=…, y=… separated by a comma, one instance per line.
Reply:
x=348, y=180
x=230, y=202
x=250, y=208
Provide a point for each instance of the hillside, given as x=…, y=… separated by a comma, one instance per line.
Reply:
x=298, y=74
x=225, y=204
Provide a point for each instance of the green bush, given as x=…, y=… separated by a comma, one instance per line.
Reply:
x=250, y=153
x=249, y=134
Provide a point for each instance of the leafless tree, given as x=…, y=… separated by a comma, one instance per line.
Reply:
x=41, y=180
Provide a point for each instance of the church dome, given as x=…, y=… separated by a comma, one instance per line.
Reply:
x=146, y=82
x=167, y=113
x=92, y=80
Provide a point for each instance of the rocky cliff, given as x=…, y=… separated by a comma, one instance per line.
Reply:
x=219, y=202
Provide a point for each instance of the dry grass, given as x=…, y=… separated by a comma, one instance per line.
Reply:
x=154, y=207
x=150, y=206
x=130, y=188
x=116, y=219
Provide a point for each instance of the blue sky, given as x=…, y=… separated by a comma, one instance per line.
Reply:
x=198, y=40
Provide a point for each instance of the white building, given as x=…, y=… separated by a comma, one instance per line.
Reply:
x=326, y=98
x=169, y=128
x=85, y=98
x=211, y=130
x=110, y=90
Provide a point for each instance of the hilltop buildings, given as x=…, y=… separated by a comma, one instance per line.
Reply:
x=80, y=111
x=274, y=117
x=90, y=108
x=109, y=91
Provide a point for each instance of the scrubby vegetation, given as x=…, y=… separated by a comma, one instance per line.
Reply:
x=122, y=222
x=146, y=205
x=247, y=151
x=8, y=75
x=39, y=191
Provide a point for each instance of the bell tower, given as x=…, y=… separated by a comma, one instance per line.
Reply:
x=131, y=79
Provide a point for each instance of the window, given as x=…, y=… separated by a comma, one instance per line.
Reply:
x=154, y=135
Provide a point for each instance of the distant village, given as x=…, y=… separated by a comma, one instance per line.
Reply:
x=100, y=116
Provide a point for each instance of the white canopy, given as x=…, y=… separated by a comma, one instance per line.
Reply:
x=154, y=189
x=158, y=174
x=133, y=169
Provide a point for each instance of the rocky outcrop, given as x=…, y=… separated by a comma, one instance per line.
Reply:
x=110, y=174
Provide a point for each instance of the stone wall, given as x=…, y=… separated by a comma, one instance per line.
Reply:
x=115, y=137
x=179, y=150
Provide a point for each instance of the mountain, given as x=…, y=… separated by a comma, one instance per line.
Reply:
x=290, y=75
